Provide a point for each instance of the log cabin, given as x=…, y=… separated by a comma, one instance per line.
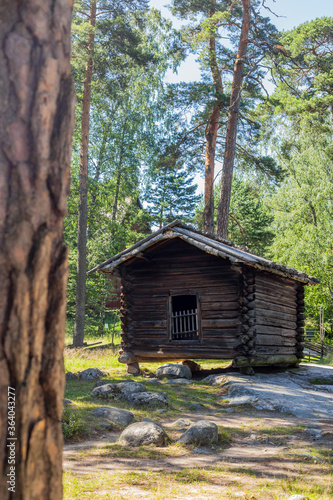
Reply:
x=187, y=294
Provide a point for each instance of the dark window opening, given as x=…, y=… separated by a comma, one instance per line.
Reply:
x=184, y=317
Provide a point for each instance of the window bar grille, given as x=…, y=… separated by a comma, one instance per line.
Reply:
x=184, y=324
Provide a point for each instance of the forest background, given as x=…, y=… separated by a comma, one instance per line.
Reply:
x=143, y=139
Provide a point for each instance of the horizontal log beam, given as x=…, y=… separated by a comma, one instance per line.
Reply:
x=276, y=360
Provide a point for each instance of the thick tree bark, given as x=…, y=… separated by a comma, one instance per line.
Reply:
x=230, y=145
x=211, y=133
x=36, y=124
x=83, y=191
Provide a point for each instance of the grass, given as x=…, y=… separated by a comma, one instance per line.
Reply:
x=77, y=418
x=219, y=482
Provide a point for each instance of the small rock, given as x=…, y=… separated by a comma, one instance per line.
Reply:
x=202, y=433
x=103, y=382
x=147, y=419
x=120, y=389
x=297, y=497
x=214, y=379
x=247, y=370
x=185, y=381
x=154, y=380
x=91, y=374
x=143, y=433
x=72, y=376
x=133, y=368
x=129, y=388
x=161, y=410
x=170, y=370
x=182, y=422
x=67, y=402
x=126, y=357
x=316, y=433
x=196, y=407
x=254, y=437
x=150, y=399
x=117, y=416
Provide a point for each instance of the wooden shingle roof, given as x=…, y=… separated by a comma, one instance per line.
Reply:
x=208, y=243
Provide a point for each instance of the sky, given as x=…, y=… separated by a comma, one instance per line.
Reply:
x=290, y=14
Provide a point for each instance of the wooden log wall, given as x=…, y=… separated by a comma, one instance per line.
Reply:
x=178, y=268
x=248, y=319
x=300, y=321
x=276, y=301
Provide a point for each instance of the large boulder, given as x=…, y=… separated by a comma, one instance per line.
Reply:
x=122, y=418
x=170, y=370
x=143, y=433
x=202, y=433
x=118, y=390
x=151, y=399
x=91, y=374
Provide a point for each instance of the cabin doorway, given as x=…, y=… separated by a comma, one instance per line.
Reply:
x=184, y=317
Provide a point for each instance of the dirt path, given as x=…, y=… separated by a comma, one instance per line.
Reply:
x=257, y=437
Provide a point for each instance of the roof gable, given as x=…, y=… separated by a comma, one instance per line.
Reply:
x=208, y=243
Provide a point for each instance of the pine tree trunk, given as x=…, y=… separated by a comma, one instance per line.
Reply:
x=83, y=192
x=211, y=133
x=36, y=125
x=230, y=145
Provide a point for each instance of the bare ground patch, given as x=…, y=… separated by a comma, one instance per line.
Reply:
x=264, y=455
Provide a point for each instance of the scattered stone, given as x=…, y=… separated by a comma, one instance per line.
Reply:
x=316, y=433
x=193, y=366
x=196, y=407
x=247, y=370
x=72, y=376
x=133, y=368
x=126, y=357
x=182, y=422
x=296, y=497
x=185, y=381
x=161, y=410
x=214, y=379
x=103, y=382
x=67, y=402
x=91, y=374
x=150, y=399
x=170, y=370
x=118, y=390
x=143, y=434
x=202, y=433
x=229, y=410
x=129, y=388
x=122, y=418
x=154, y=380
